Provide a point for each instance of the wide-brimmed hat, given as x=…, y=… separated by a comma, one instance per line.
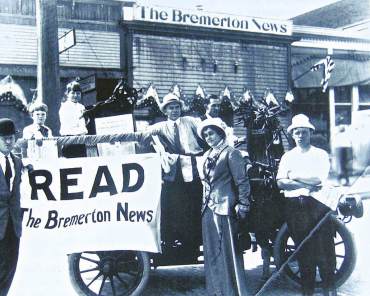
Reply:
x=7, y=127
x=217, y=122
x=300, y=120
x=171, y=98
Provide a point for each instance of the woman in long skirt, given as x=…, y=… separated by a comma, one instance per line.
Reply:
x=225, y=200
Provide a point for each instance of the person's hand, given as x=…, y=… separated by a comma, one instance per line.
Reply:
x=241, y=211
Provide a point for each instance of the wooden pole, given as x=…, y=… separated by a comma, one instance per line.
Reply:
x=48, y=81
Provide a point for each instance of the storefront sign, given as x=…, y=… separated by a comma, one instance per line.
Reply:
x=67, y=40
x=207, y=20
x=97, y=203
x=88, y=83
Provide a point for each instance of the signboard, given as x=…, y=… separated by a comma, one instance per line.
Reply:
x=207, y=20
x=67, y=40
x=88, y=83
x=115, y=125
x=96, y=203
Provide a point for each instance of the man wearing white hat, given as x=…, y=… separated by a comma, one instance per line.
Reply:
x=181, y=188
x=302, y=171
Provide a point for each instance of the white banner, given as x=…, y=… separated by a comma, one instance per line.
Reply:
x=96, y=203
x=207, y=20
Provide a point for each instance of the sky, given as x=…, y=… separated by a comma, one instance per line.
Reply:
x=281, y=9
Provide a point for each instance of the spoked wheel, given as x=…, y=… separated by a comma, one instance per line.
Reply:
x=113, y=273
x=344, y=249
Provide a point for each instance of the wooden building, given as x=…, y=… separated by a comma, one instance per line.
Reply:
x=340, y=30
x=163, y=46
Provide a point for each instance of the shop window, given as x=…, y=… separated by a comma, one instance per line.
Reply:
x=315, y=104
x=343, y=104
x=364, y=97
x=342, y=115
x=343, y=94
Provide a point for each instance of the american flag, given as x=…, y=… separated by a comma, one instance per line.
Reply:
x=328, y=66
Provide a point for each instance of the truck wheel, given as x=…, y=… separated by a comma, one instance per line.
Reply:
x=345, y=251
x=116, y=273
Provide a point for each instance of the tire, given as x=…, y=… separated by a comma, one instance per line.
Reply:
x=345, y=251
x=116, y=273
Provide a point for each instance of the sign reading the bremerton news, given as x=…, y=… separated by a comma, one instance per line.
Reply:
x=96, y=203
x=207, y=20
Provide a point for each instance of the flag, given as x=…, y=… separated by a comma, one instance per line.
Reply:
x=226, y=93
x=328, y=66
x=200, y=92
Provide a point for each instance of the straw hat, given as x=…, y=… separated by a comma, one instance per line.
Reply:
x=300, y=120
x=170, y=98
x=217, y=122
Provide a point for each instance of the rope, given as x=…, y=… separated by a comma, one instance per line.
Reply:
x=88, y=140
x=276, y=274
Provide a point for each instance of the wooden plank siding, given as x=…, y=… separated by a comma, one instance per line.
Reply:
x=94, y=49
x=160, y=60
x=68, y=9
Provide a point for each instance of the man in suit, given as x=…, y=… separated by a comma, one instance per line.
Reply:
x=10, y=210
x=181, y=188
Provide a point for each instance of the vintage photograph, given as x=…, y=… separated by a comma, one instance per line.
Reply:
x=167, y=148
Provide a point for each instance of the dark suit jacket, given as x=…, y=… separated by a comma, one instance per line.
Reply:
x=229, y=182
x=10, y=200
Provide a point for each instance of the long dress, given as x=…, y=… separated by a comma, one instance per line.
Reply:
x=223, y=260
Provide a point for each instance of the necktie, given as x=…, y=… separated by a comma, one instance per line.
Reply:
x=8, y=171
x=178, y=146
x=44, y=131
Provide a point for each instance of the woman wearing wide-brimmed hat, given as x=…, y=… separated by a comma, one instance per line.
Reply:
x=225, y=200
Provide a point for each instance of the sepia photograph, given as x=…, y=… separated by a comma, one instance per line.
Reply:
x=167, y=148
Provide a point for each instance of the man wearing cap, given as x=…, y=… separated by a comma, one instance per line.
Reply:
x=10, y=211
x=181, y=188
x=301, y=173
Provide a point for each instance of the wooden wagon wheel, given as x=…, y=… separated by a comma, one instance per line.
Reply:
x=116, y=273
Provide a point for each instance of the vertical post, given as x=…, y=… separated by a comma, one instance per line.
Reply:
x=332, y=117
x=355, y=99
x=331, y=110
x=48, y=81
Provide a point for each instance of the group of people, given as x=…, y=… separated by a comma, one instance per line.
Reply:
x=214, y=193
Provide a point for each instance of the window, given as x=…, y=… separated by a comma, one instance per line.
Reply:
x=364, y=97
x=315, y=104
x=343, y=104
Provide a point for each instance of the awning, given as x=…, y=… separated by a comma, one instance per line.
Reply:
x=348, y=71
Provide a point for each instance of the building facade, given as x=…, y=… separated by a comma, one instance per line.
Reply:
x=167, y=46
x=340, y=30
